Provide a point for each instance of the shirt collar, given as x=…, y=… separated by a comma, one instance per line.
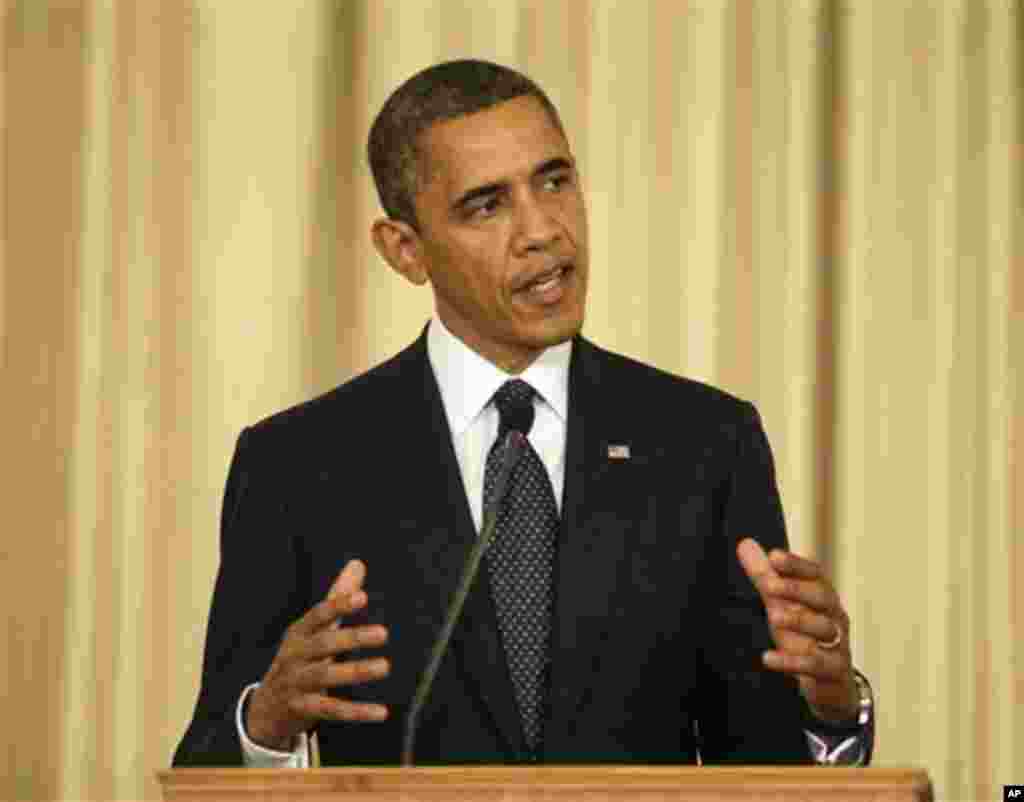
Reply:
x=468, y=381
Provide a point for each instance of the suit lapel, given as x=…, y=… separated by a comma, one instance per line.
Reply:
x=448, y=535
x=603, y=497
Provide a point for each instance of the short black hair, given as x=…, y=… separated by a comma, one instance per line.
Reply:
x=441, y=92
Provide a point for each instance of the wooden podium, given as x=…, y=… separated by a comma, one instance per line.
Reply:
x=548, y=783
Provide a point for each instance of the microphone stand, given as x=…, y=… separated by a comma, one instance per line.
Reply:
x=515, y=443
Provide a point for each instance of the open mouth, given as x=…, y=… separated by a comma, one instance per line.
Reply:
x=549, y=282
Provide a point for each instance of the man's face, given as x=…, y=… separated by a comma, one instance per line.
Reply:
x=504, y=232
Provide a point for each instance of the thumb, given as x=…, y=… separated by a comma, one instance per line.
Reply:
x=755, y=562
x=349, y=580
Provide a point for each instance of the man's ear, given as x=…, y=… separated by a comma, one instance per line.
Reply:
x=400, y=246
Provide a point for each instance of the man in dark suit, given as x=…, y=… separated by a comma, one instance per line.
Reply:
x=622, y=613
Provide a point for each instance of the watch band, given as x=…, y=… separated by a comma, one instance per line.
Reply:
x=863, y=724
x=866, y=715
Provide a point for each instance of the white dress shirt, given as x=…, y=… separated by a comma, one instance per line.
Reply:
x=468, y=382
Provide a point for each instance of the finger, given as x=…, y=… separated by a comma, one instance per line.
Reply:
x=814, y=593
x=326, y=674
x=804, y=621
x=786, y=563
x=790, y=642
x=357, y=672
x=321, y=706
x=822, y=666
x=328, y=611
x=350, y=579
x=329, y=642
x=755, y=562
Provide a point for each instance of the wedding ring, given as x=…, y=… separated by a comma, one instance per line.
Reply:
x=832, y=644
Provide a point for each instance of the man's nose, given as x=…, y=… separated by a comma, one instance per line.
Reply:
x=537, y=225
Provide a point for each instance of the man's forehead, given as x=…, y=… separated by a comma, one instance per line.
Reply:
x=500, y=142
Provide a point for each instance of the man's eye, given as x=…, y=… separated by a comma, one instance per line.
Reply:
x=556, y=182
x=486, y=208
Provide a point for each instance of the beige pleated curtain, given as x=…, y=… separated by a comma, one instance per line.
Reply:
x=814, y=204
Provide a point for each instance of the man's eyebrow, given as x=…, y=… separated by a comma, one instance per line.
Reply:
x=478, y=192
x=553, y=165
x=549, y=166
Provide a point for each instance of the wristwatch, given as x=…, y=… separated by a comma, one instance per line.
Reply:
x=866, y=712
x=863, y=725
x=866, y=715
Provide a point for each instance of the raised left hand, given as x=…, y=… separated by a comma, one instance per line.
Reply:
x=810, y=628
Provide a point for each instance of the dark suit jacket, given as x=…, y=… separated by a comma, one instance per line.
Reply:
x=657, y=630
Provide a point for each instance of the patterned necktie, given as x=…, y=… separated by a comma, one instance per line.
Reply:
x=521, y=560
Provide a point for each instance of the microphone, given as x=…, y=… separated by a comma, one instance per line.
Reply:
x=515, y=444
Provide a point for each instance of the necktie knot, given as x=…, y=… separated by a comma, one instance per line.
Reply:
x=514, y=401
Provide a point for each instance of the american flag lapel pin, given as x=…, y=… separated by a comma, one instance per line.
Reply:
x=618, y=451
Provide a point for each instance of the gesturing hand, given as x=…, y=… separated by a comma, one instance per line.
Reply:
x=292, y=696
x=810, y=628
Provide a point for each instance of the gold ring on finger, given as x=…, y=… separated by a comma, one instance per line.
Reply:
x=832, y=644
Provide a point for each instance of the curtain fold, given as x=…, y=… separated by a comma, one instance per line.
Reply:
x=815, y=205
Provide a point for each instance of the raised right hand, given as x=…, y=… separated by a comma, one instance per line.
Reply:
x=292, y=696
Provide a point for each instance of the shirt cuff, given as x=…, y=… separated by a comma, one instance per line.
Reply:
x=846, y=744
x=837, y=750
x=259, y=757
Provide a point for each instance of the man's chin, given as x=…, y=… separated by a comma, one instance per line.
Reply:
x=553, y=333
